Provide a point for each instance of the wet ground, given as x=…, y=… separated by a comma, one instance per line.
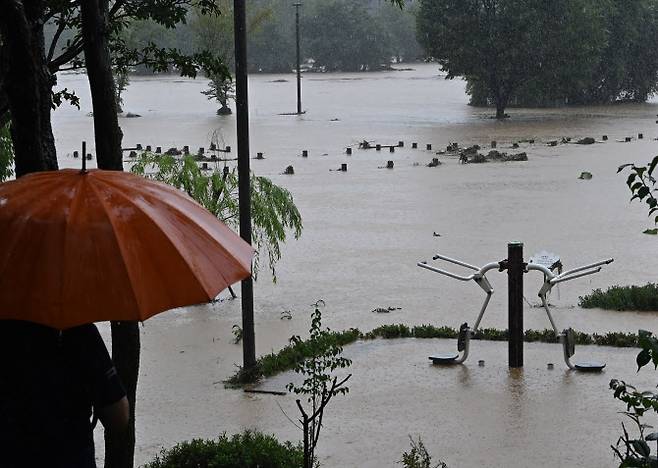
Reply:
x=364, y=231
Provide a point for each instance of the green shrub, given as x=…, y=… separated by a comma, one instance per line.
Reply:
x=299, y=350
x=644, y=298
x=251, y=449
x=418, y=456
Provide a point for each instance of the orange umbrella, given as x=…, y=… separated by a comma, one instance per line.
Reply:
x=79, y=247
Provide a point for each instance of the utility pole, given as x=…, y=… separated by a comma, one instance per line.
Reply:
x=244, y=176
x=299, y=71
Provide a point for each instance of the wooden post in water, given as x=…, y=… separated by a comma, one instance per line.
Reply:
x=515, y=270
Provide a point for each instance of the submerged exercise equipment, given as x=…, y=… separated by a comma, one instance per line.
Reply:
x=516, y=268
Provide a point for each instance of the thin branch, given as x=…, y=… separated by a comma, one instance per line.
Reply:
x=301, y=409
x=73, y=51
x=60, y=29
x=286, y=415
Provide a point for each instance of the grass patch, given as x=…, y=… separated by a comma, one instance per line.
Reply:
x=288, y=357
x=643, y=298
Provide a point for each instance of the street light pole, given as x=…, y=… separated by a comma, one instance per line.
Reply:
x=244, y=175
x=299, y=71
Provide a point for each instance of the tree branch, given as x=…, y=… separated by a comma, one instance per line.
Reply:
x=60, y=29
x=73, y=51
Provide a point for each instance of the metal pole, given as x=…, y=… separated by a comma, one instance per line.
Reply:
x=515, y=270
x=244, y=175
x=299, y=71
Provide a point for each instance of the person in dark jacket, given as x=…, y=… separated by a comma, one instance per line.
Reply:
x=53, y=386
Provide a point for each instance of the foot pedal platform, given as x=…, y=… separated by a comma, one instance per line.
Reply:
x=589, y=366
x=444, y=359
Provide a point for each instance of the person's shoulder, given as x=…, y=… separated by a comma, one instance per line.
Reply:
x=84, y=335
x=22, y=331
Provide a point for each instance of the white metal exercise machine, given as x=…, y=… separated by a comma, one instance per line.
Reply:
x=465, y=333
x=566, y=337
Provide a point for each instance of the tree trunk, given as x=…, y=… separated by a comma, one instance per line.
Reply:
x=27, y=83
x=119, y=451
x=501, y=97
x=107, y=132
x=500, y=108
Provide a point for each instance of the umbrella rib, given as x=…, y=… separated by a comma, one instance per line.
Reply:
x=123, y=262
x=219, y=245
x=118, y=191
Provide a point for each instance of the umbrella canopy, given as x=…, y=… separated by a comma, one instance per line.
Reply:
x=79, y=247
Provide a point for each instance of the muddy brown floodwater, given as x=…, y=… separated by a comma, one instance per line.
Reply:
x=364, y=231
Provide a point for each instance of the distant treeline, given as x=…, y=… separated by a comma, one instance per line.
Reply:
x=545, y=53
x=336, y=35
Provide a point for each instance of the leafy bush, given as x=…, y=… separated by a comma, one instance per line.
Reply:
x=635, y=451
x=251, y=449
x=418, y=456
x=644, y=187
x=643, y=298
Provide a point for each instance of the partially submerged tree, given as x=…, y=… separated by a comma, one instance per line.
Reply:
x=222, y=90
x=503, y=46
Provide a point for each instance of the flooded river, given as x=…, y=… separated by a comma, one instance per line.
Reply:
x=364, y=231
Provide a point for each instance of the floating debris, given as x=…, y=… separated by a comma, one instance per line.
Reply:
x=382, y=310
x=586, y=141
x=585, y=175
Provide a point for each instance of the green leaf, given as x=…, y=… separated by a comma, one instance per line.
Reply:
x=651, y=232
x=622, y=167
x=653, y=165
x=643, y=358
x=642, y=448
x=643, y=192
x=631, y=179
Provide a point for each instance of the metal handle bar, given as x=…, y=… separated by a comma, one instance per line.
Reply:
x=446, y=273
x=587, y=267
x=562, y=278
x=480, y=271
x=456, y=262
x=568, y=275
